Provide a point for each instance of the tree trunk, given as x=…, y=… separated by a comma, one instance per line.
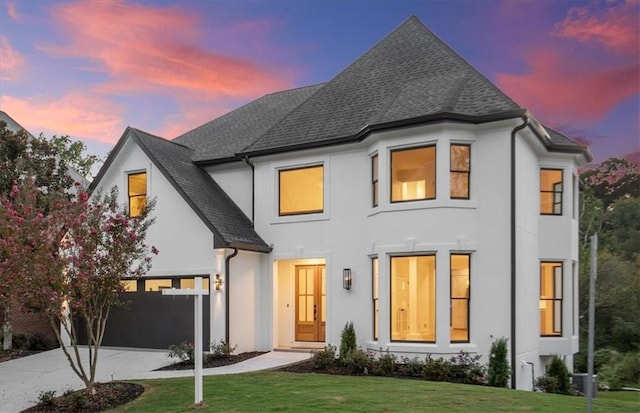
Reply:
x=7, y=336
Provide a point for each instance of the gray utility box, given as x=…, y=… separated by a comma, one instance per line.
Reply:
x=579, y=380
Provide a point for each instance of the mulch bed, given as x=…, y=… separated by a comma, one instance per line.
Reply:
x=107, y=396
x=6, y=355
x=209, y=360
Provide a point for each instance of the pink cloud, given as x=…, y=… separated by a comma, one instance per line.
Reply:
x=76, y=115
x=152, y=49
x=12, y=11
x=191, y=116
x=11, y=62
x=559, y=88
x=615, y=26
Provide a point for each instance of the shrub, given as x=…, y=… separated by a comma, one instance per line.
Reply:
x=40, y=342
x=20, y=341
x=604, y=356
x=47, y=398
x=609, y=376
x=182, y=351
x=357, y=361
x=221, y=349
x=436, y=369
x=413, y=367
x=629, y=368
x=347, y=340
x=499, y=371
x=466, y=368
x=79, y=399
x=385, y=364
x=556, y=370
x=324, y=359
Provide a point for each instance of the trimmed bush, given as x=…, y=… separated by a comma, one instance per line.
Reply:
x=466, y=368
x=357, y=361
x=557, y=379
x=221, y=349
x=413, y=367
x=436, y=369
x=347, y=340
x=182, y=352
x=499, y=370
x=385, y=364
x=324, y=359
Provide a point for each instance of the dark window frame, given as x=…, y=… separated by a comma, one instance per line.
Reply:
x=554, y=300
x=456, y=171
x=375, y=173
x=287, y=214
x=144, y=195
x=467, y=298
x=557, y=194
x=435, y=173
x=435, y=327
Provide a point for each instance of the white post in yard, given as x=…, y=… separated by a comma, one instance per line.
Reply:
x=197, y=294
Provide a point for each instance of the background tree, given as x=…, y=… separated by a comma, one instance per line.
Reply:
x=74, y=154
x=72, y=261
x=611, y=208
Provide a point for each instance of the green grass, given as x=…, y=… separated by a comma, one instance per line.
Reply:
x=293, y=392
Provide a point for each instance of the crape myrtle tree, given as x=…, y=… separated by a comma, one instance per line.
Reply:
x=71, y=262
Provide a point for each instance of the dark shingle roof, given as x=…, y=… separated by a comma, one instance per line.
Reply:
x=410, y=74
x=227, y=135
x=229, y=225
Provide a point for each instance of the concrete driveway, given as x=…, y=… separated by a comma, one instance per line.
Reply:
x=22, y=380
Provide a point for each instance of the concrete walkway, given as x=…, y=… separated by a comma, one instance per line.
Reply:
x=22, y=380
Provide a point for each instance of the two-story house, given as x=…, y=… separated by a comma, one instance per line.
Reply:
x=408, y=195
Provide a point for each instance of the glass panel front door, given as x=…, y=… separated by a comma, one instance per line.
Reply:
x=310, y=303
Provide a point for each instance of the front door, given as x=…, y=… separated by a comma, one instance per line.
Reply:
x=310, y=303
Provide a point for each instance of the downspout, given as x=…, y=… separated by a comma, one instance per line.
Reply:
x=227, y=300
x=253, y=188
x=515, y=130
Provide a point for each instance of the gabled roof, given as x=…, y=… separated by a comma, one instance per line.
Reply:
x=222, y=138
x=230, y=226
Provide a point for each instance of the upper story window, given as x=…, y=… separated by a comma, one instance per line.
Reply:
x=301, y=190
x=460, y=170
x=413, y=174
x=374, y=179
x=551, y=191
x=137, y=191
x=550, y=298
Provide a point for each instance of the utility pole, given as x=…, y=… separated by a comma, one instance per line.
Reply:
x=593, y=274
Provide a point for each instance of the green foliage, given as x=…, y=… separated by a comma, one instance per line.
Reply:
x=182, y=352
x=436, y=369
x=413, y=367
x=79, y=399
x=557, y=379
x=499, y=370
x=466, y=368
x=73, y=153
x=615, y=369
x=347, y=340
x=222, y=349
x=324, y=359
x=47, y=398
x=385, y=364
x=357, y=361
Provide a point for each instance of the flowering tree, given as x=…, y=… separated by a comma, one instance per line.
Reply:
x=70, y=263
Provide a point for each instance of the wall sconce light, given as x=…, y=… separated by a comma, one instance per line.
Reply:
x=218, y=282
x=346, y=278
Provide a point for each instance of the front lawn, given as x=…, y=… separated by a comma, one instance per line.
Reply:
x=294, y=392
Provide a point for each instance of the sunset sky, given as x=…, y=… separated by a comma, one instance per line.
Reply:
x=89, y=69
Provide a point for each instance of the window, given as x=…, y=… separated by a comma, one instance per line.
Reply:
x=460, y=268
x=374, y=179
x=413, y=174
x=550, y=298
x=551, y=191
x=191, y=283
x=375, y=295
x=137, y=189
x=413, y=298
x=157, y=284
x=301, y=190
x=129, y=286
x=460, y=168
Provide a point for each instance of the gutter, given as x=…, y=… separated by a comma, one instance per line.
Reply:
x=227, y=299
x=253, y=189
x=525, y=118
